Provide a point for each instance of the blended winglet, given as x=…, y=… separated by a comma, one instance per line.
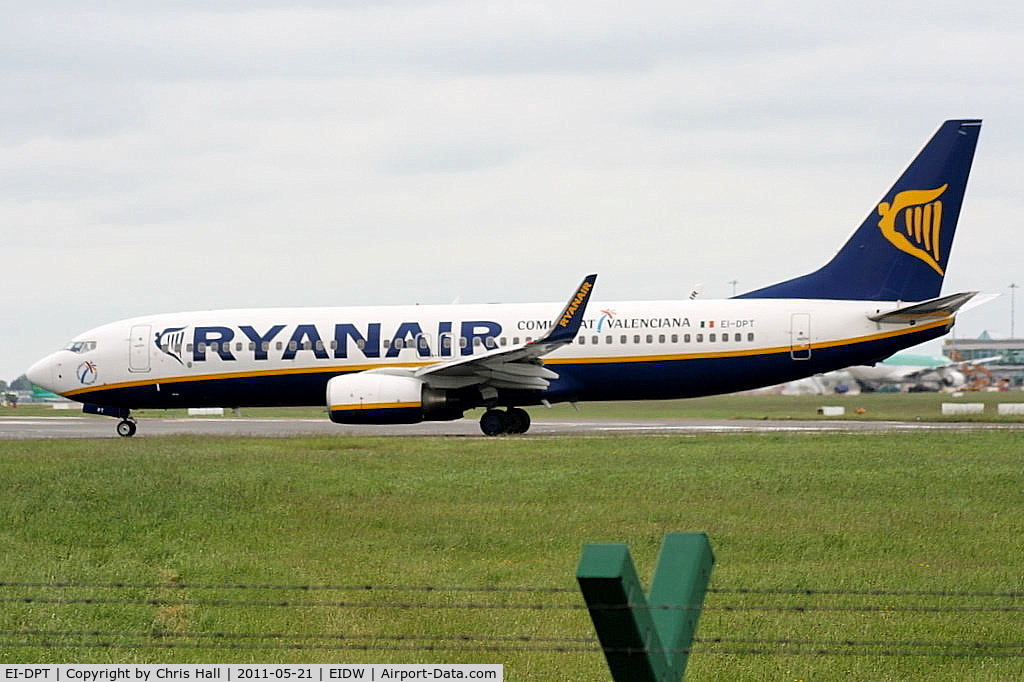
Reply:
x=568, y=323
x=519, y=367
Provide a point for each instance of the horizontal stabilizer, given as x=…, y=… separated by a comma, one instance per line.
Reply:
x=979, y=300
x=937, y=308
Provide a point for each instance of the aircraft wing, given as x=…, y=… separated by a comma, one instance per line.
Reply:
x=519, y=367
x=936, y=308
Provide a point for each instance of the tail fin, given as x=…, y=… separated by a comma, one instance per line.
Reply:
x=899, y=252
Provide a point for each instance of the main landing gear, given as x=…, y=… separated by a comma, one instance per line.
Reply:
x=497, y=422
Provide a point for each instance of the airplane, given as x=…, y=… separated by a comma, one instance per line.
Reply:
x=405, y=364
x=919, y=372
x=900, y=372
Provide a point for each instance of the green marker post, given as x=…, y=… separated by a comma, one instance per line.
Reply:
x=646, y=638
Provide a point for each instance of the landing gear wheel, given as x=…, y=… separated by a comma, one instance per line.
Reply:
x=494, y=423
x=126, y=428
x=518, y=420
x=498, y=422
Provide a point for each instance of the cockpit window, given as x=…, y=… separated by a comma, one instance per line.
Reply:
x=82, y=346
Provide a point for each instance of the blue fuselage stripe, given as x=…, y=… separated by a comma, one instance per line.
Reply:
x=578, y=379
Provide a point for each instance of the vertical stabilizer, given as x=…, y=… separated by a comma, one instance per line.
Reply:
x=900, y=251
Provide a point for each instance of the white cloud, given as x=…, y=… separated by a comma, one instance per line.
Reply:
x=205, y=154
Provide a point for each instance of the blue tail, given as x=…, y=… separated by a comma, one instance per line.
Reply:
x=900, y=251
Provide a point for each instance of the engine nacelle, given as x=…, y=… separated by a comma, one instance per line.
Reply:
x=376, y=398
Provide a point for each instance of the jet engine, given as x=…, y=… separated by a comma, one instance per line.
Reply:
x=379, y=398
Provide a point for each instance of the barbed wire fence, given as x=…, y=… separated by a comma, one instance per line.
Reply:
x=735, y=602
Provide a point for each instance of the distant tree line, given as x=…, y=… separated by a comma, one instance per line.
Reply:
x=20, y=384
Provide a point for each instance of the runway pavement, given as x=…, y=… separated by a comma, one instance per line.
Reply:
x=68, y=427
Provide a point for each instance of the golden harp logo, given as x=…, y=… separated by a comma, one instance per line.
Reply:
x=913, y=223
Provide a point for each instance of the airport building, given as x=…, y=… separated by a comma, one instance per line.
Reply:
x=1007, y=370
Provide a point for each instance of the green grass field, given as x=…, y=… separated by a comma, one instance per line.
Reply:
x=849, y=512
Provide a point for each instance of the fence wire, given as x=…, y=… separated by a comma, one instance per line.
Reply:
x=501, y=598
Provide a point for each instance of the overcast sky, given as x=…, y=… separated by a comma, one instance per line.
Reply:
x=163, y=156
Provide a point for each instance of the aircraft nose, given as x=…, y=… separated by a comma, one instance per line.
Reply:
x=41, y=374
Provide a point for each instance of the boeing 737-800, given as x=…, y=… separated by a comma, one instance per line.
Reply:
x=405, y=364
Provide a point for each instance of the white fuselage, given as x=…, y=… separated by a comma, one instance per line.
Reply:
x=625, y=350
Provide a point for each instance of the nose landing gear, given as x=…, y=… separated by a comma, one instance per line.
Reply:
x=126, y=427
